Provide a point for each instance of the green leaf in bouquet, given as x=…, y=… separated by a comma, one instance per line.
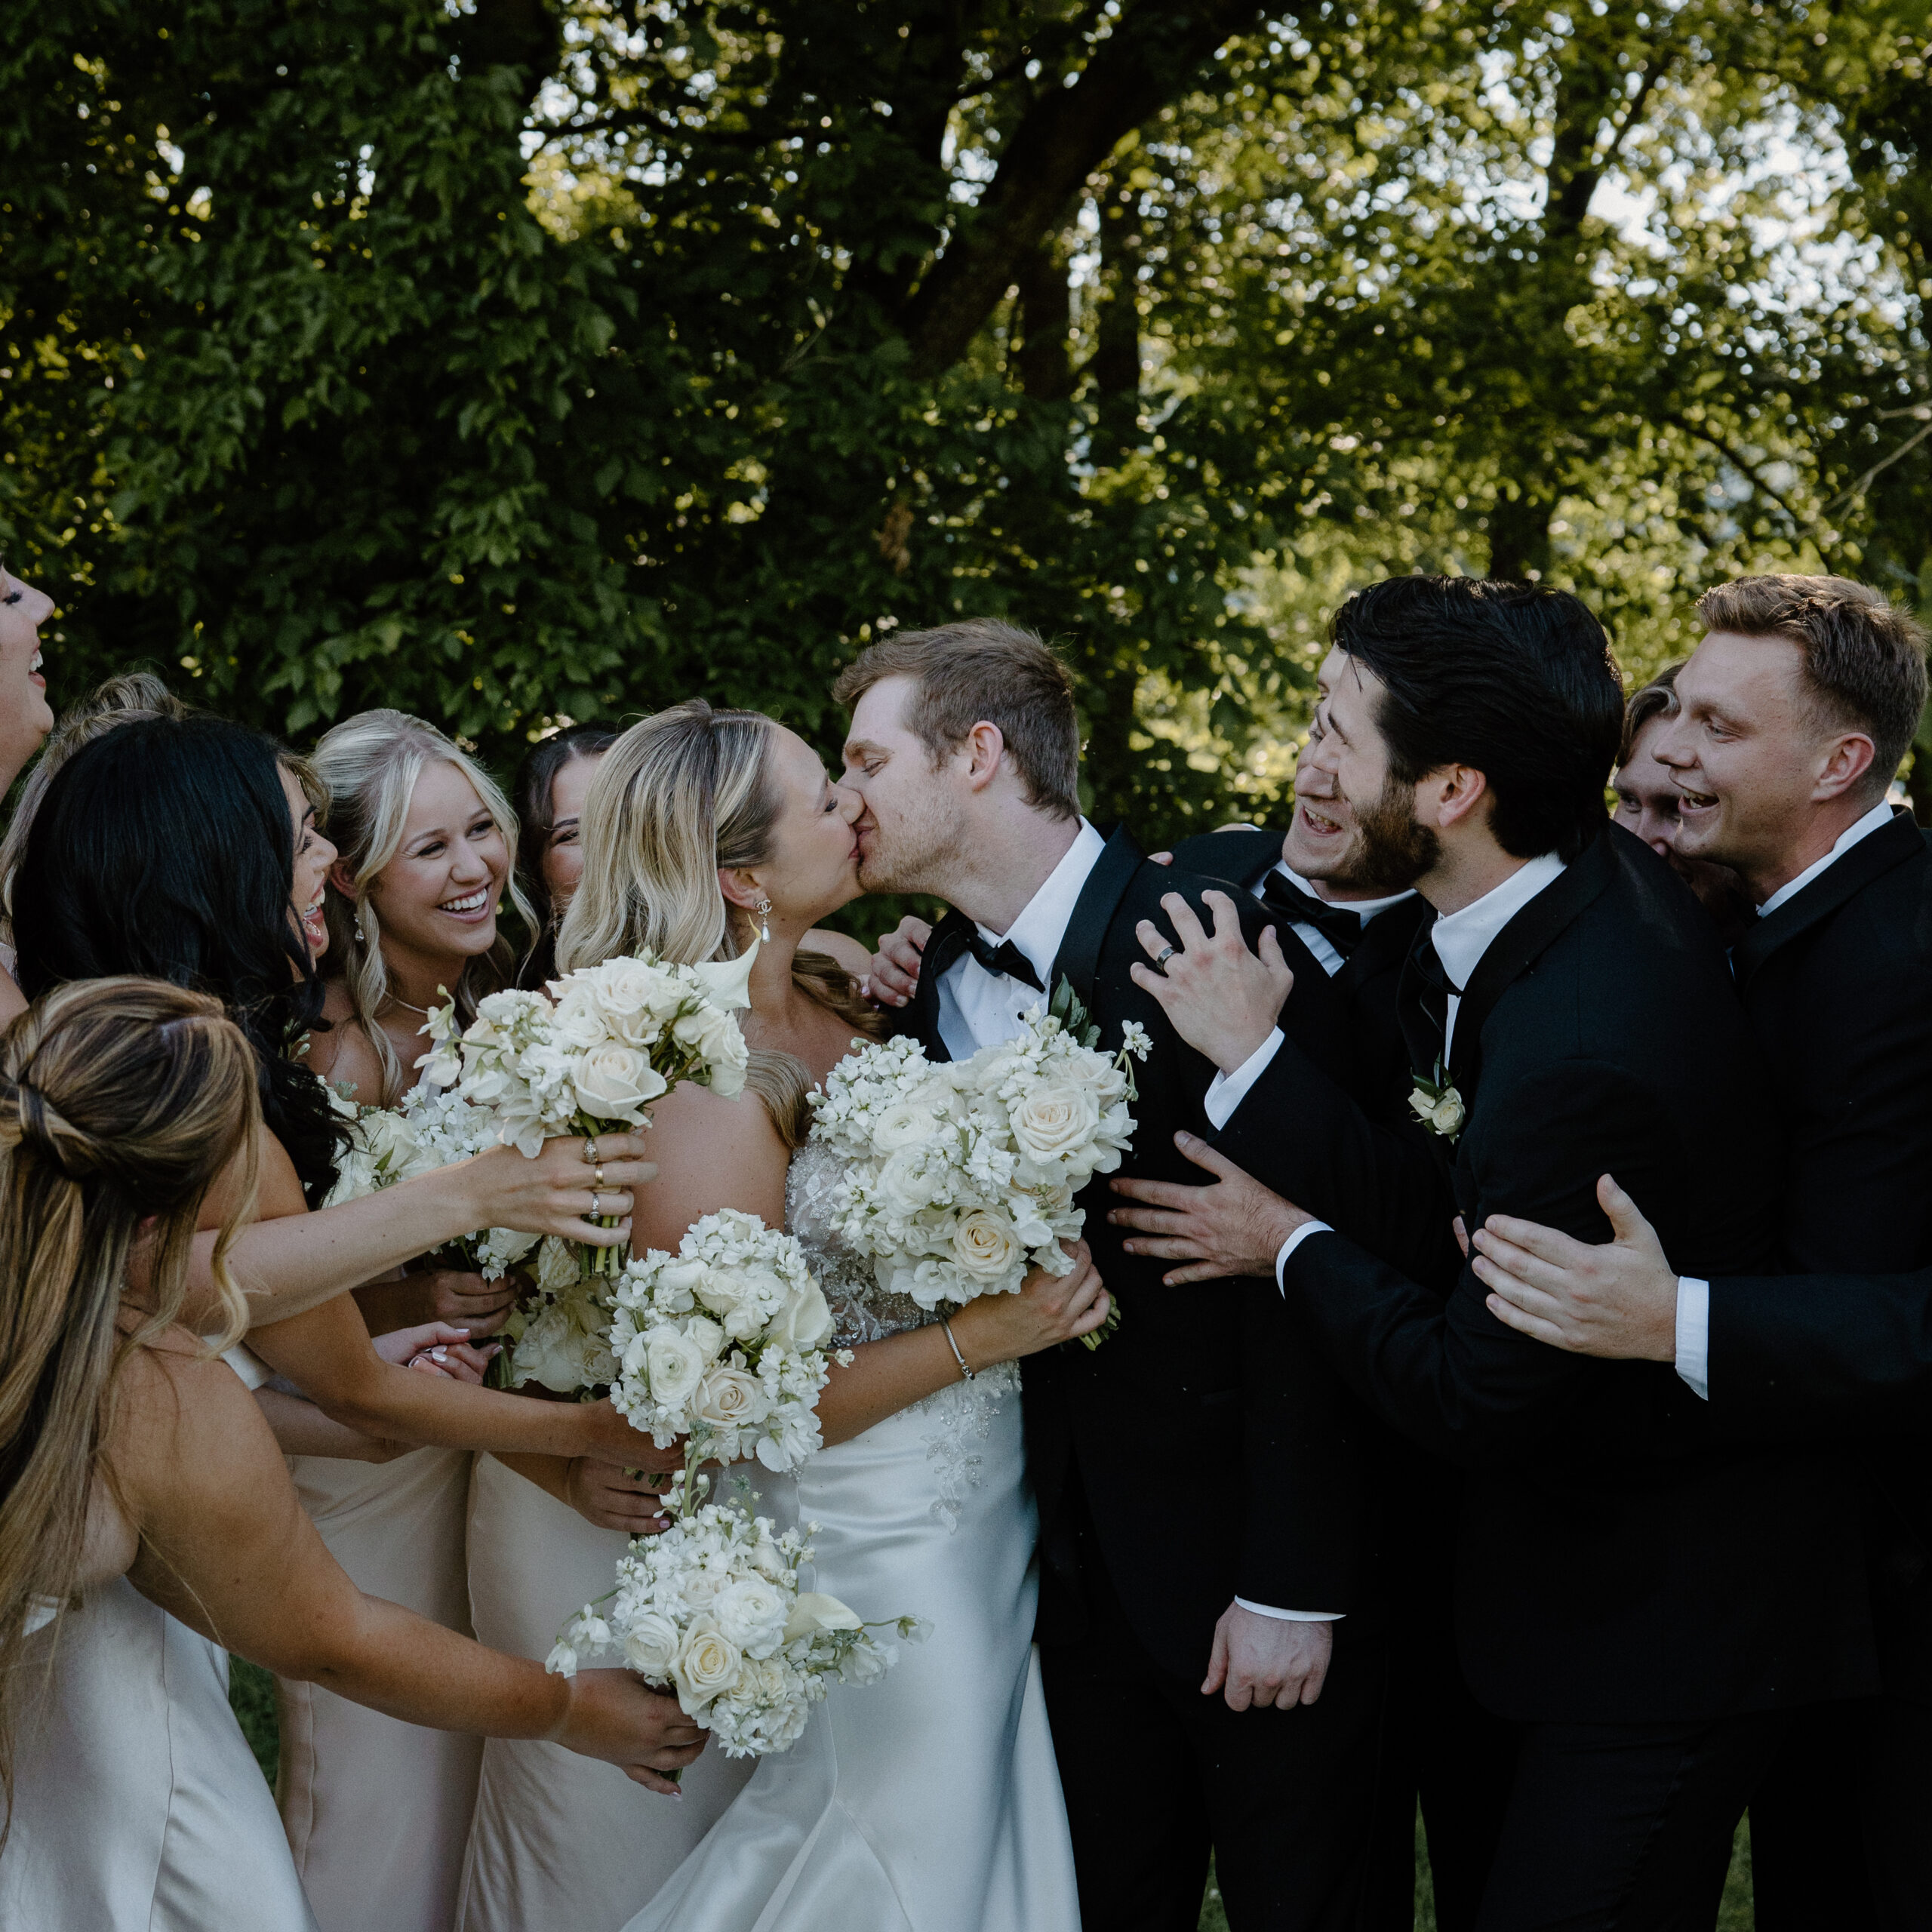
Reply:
x=1066, y=1007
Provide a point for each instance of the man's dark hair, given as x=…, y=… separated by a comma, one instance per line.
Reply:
x=1516, y=681
x=984, y=671
x=1864, y=657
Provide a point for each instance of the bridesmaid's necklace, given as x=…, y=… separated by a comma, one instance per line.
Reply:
x=393, y=1000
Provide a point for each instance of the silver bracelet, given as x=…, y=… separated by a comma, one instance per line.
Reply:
x=952, y=1342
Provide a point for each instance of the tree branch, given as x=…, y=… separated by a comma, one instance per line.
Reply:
x=1152, y=55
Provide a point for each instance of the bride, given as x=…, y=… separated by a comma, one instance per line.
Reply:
x=931, y=1801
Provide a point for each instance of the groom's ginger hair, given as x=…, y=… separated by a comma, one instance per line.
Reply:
x=983, y=670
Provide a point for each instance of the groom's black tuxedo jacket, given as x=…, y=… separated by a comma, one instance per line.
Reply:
x=1211, y=1451
x=1613, y=1565
x=1836, y=986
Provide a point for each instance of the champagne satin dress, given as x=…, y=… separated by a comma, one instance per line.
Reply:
x=377, y=1810
x=557, y=1840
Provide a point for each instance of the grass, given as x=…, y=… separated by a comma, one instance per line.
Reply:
x=1733, y=1916
x=251, y=1691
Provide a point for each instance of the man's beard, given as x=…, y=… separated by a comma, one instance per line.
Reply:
x=1394, y=849
x=905, y=859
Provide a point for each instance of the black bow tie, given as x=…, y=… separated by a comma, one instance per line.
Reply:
x=1004, y=958
x=1340, y=926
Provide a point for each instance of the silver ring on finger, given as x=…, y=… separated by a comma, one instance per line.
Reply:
x=594, y=1209
x=590, y=1156
x=1161, y=958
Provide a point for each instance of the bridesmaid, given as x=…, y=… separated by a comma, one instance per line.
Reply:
x=377, y=1811
x=551, y=784
x=25, y=716
x=142, y=1495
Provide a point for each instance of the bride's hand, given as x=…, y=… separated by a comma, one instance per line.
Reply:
x=1048, y=1310
x=551, y=1194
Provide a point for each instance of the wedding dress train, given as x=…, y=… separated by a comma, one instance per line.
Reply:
x=929, y=1801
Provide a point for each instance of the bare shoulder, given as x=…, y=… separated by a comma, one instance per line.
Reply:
x=847, y=951
x=711, y=1153
x=181, y=1415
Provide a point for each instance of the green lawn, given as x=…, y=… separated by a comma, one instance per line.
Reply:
x=251, y=1690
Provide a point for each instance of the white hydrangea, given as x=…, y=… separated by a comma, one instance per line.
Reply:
x=711, y=1610
x=958, y=1179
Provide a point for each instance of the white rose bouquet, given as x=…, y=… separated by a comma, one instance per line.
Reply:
x=723, y=1343
x=711, y=1609
x=959, y=1178
x=589, y=1059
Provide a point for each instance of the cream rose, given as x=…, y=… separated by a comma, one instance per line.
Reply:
x=1055, y=1121
x=675, y=1365
x=650, y=1646
x=1447, y=1115
x=985, y=1245
x=708, y=1664
x=729, y=1398
x=616, y=1083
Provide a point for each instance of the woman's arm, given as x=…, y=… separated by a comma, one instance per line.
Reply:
x=888, y=1376
x=226, y=1547
x=290, y=1260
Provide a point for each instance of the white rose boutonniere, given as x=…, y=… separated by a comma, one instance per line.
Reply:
x=1437, y=1104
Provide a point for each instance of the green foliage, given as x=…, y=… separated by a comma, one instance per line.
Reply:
x=522, y=361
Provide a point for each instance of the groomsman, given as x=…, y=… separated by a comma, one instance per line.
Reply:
x=1199, y=1474
x=1794, y=714
x=1439, y=1745
x=1650, y=1609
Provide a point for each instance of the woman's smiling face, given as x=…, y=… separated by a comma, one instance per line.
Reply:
x=437, y=898
x=314, y=855
x=26, y=717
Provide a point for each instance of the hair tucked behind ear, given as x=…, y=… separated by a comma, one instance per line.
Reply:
x=121, y=1101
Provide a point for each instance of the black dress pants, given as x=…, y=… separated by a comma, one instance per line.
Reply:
x=1627, y=1826
x=1156, y=1775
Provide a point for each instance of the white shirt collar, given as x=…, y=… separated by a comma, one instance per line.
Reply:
x=1042, y=924
x=1463, y=938
x=1880, y=815
x=1364, y=909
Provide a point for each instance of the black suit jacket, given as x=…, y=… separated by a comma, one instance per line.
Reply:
x=1836, y=986
x=1614, y=1566
x=1203, y=1395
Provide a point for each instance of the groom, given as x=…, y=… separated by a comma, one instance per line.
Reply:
x=1199, y=1475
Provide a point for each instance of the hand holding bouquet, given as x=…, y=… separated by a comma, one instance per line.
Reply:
x=712, y=1610
x=960, y=1177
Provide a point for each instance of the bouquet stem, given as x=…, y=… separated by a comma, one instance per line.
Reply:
x=1106, y=1328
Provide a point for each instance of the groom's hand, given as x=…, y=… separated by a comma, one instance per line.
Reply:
x=1223, y=1000
x=1235, y=1227
x=1261, y=1663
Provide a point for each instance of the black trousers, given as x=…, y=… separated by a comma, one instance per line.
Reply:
x=1627, y=1826
x=1841, y=1828
x=1156, y=1774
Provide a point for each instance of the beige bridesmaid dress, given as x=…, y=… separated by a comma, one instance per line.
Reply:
x=557, y=1840
x=377, y=1811
x=138, y=1806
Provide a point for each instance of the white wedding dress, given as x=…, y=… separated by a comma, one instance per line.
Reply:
x=929, y=1801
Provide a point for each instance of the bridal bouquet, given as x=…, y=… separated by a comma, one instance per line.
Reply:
x=589, y=1059
x=723, y=1343
x=959, y=1178
x=711, y=1609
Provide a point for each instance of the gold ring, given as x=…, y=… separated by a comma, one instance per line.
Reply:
x=600, y=1173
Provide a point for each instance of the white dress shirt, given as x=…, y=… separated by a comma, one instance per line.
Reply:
x=1226, y=1091
x=978, y=1008
x=1461, y=940
x=1693, y=1296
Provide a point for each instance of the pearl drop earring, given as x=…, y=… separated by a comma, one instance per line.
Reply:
x=764, y=918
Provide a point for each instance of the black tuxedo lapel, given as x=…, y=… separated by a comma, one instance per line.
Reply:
x=1243, y=858
x=1516, y=947
x=1420, y=1034
x=1079, y=954
x=947, y=943
x=1385, y=941
x=1871, y=858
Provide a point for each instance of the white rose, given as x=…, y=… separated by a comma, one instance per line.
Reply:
x=701, y=1588
x=985, y=1245
x=1054, y=1120
x=675, y=1365
x=1447, y=1115
x=628, y=996
x=752, y=1613
x=904, y=1123
x=729, y=1398
x=650, y=1646
x=615, y=1083
x=714, y=1033
x=707, y=1666
x=815, y=1613
x=804, y=1322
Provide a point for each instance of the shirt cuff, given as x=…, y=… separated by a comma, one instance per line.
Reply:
x=1226, y=1091
x=1289, y=1616
x=1694, y=1334
x=1293, y=1241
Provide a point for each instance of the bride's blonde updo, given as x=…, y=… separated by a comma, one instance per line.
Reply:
x=677, y=799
